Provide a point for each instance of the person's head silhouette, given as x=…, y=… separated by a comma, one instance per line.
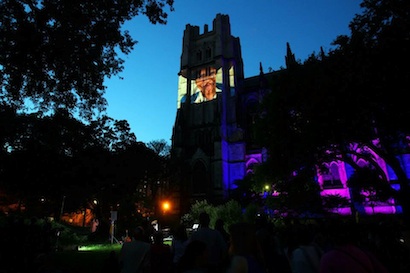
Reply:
x=204, y=219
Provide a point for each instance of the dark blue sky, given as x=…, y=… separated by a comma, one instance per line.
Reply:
x=147, y=96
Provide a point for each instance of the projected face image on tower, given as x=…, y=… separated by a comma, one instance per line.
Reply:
x=207, y=85
x=182, y=90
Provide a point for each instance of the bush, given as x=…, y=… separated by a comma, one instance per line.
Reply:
x=230, y=212
x=68, y=235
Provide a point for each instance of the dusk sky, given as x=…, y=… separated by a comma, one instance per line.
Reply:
x=147, y=95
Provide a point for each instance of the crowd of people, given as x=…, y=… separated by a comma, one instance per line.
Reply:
x=259, y=247
x=321, y=246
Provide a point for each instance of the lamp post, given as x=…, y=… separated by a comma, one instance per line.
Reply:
x=266, y=190
x=62, y=208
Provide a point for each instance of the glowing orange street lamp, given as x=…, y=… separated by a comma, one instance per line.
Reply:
x=166, y=206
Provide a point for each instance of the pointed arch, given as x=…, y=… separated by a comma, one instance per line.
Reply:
x=200, y=178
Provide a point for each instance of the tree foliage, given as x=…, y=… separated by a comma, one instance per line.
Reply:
x=51, y=157
x=297, y=196
x=348, y=100
x=160, y=147
x=55, y=57
x=367, y=186
x=230, y=212
x=57, y=53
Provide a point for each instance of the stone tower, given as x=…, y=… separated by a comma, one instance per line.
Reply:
x=208, y=145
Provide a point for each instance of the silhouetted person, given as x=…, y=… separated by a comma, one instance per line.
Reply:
x=161, y=257
x=347, y=256
x=195, y=258
x=275, y=258
x=179, y=243
x=305, y=258
x=135, y=255
x=245, y=254
x=216, y=245
x=219, y=226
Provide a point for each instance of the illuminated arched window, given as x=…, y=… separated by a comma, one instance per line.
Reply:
x=332, y=177
x=334, y=170
x=250, y=163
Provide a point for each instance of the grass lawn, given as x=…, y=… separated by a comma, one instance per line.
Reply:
x=85, y=260
x=90, y=260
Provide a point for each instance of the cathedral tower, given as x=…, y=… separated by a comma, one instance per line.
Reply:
x=207, y=141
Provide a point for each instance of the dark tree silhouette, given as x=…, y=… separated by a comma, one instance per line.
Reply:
x=55, y=57
x=352, y=94
x=58, y=53
x=51, y=157
x=161, y=147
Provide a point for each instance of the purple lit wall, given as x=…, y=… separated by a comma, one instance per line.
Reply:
x=227, y=184
x=237, y=164
x=340, y=171
x=233, y=161
x=233, y=166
